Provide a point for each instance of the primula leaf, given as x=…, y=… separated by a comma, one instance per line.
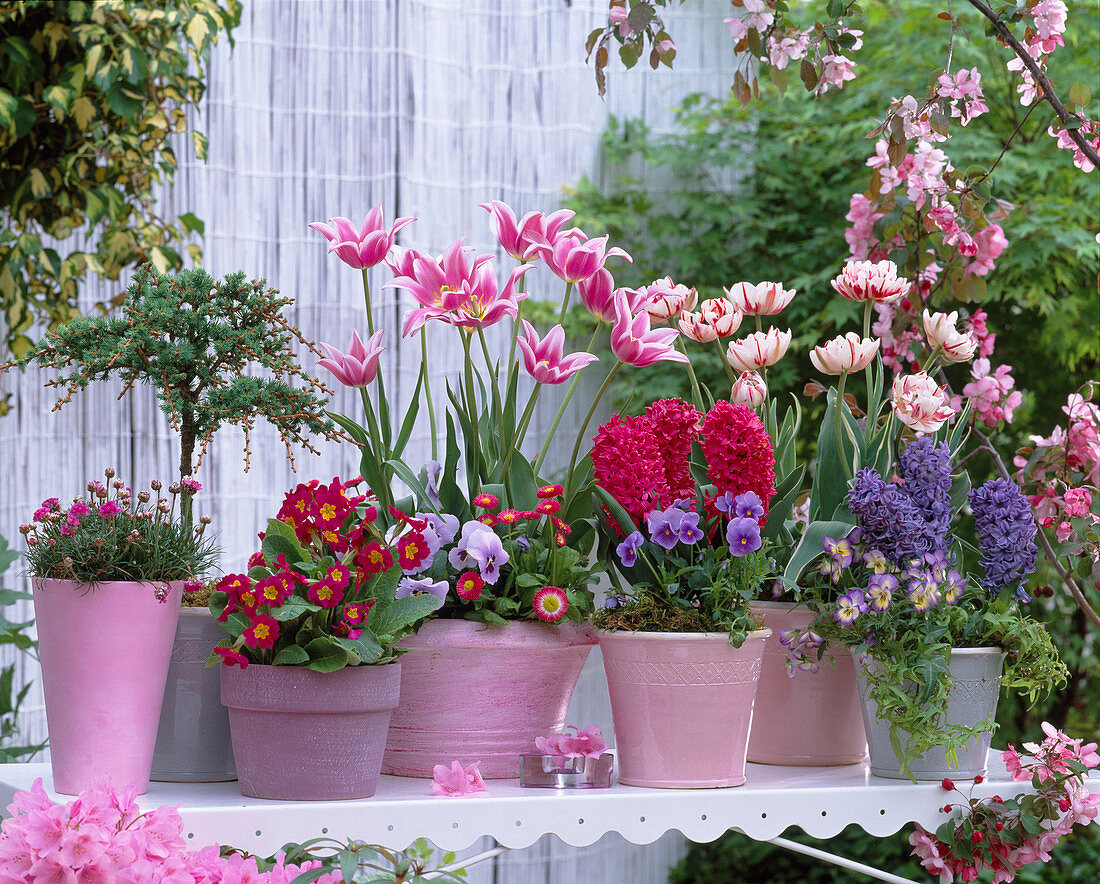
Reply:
x=292, y=609
x=401, y=613
x=275, y=545
x=325, y=655
x=293, y=655
x=366, y=647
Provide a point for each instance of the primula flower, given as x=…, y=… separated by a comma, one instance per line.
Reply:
x=412, y=551
x=426, y=586
x=456, y=781
x=276, y=589
x=586, y=742
x=326, y=592
x=868, y=281
x=743, y=536
x=758, y=350
x=627, y=551
x=955, y=346
x=521, y=238
x=665, y=299
x=920, y=403
x=550, y=604
x=634, y=343
x=262, y=632
x=738, y=451
x=572, y=257
x=749, y=389
x=231, y=657
x=374, y=558
x=545, y=360
x=844, y=354
x=469, y=586
x=762, y=299
x=358, y=367
x=364, y=246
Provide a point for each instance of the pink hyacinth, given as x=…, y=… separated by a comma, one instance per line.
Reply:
x=544, y=359
x=358, y=367
x=634, y=343
x=364, y=246
x=456, y=780
x=521, y=238
x=866, y=281
x=572, y=257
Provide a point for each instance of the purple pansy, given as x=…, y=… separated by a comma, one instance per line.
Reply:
x=743, y=536
x=627, y=551
x=427, y=586
x=664, y=526
x=689, y=531
x=748, y=506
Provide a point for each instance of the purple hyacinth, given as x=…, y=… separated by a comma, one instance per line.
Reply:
x=888, y=520
x=1006, y=533
x=925, y=471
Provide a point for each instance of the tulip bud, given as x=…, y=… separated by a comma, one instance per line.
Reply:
x=749, y=389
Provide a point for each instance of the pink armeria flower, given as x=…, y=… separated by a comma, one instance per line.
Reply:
x=665, y=298
x=762, y=299
x=749, y=389
x=521, y=238
x=359, y=366
x=572, y=257
x=920, y=403
x=456, y=781
x=844, y=354
x=364, y=246
x=941, y=330
x=866, y=281
x=758, y=350
x=634, y=343
x=544, y=359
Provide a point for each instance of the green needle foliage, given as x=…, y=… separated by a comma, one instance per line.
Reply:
x=193, y=340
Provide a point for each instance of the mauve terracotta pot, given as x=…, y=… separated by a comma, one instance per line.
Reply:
x=682, y=706
x=476, y=692
x=810, y=718
x=300, y=735
x=104, y=653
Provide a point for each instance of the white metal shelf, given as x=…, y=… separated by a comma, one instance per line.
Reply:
x=822, y=801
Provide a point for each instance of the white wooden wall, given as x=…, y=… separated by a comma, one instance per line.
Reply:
x=324, y=108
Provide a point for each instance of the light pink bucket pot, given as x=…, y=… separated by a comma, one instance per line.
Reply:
x=812, y=718
x=475, y=692
x=682, y=706
x=105, y=655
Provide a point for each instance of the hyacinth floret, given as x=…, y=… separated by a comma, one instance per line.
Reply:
x=627, y=463
x=889, y=521
x=1006, y=533
x=925, y=471
x=739, y=452
x=675, y=423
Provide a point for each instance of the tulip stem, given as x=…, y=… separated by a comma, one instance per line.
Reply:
x=565, y=303
x=428, y=390
x=383, y=493
x=498, y=411
x=516, y=323
x=564, y=404
x=521, y=432
x=839, y=424
x=695, y=391
x=366, y=301
x=584, y=427
x=473, y=445
x=730, y=373
x=867, y=308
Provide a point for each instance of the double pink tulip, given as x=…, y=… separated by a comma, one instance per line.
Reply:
x=544, y=359
x=521, y=238
x=762, y=299
x=364, y=246
x=716, y=319
x=749, y=389
x=758, y=350
x=665, y=298
x=634, y=343
x=920, y=403
x=942, y=332
x=844, y=354
x=868, y=281
x=573, y=257
x=359, y=366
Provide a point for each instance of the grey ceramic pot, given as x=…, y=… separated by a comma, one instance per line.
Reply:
x=193, y=739
x=975, y=689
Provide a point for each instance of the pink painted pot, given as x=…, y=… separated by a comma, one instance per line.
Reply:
x=301, y=735
x=105, y=654
x=810, y=718
x=476, y=692
x=682, y=705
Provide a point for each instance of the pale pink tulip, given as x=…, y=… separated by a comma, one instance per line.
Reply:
x=364, y=246
x=664, y=299
x=634, y=343
x=692, y=325
x=572, y=257
x=456, y=780
x=720, y=313
x=758, y=350
x=543, y=359
x=844, y=354
x=868, y=281
x=749, y=389
x=762, y=299
x=598, y=295
x=941, y=331
x=920, y=403
x=521, y=238
x=359, y=366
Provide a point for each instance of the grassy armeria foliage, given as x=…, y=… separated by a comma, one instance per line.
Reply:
x=114, y=534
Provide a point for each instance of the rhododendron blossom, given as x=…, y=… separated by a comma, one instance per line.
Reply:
x=586, y=742
x=991, y=394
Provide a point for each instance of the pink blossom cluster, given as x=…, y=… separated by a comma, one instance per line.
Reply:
x=102, y=836
x=992, y=835
x=991, y=393
x=585, y=742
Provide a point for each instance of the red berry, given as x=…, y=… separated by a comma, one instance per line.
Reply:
x=979, y=778
x=947, y=808
x=999, y=826
x=948, y=785
x=997, y=799
x=977, y=837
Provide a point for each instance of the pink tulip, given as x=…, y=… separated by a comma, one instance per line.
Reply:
x=758, y=350
x=664, y=299
x=941, y=331
x=363, y=247
x=456, y=780
x=544, y=360
x=749, y=389
x=722, y=315
x=692, y=325
x=920, y=403
x=521, y=239
x=844, y=354
x=598, y=295
x=359, y=366
x=762, y=299
x=867, y=281
x=402, y=261
x=632, y=341
x=573, y=258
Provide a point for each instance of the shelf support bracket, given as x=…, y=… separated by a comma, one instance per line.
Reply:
x=849, y=864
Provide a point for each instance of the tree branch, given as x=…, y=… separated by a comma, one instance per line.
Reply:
x=1041, y=79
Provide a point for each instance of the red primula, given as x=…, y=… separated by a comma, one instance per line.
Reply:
x=262, y=632
x=412, y=550
x=374, y=558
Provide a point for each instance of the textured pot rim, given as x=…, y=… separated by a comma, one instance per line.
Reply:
x=781, y=606
x=693, y=636
x=966, y=652
x=57, y=581
x=199, y=611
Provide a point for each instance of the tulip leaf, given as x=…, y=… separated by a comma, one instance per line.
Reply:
x=410, y=416
x=786, y=494
x=809, y=546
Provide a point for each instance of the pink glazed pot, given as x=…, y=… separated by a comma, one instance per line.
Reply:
x=301, y=735
x=105, y=654
x=682, y=705
x=476, y=692
x=810, y=718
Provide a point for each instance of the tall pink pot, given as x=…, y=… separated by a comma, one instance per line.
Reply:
x=475, y=692
x=301, y=735
x=812, y=718
x=682, y=706
x=105, y=653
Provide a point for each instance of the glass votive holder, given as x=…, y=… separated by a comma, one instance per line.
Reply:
x=562, y=772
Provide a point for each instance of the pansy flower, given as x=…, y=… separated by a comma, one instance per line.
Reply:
x=425, y=586
x=627, y=551
x=953, y=586
x=848, y=607
x=743, y=536
x=664, y=527
x=840, y=550
x=880, y=590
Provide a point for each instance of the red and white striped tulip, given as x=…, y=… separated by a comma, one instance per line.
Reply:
x=844, y=354
x=758, y=350
x=749, y=389
x=762, y=299
x=868, y=281
x=943, y=333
